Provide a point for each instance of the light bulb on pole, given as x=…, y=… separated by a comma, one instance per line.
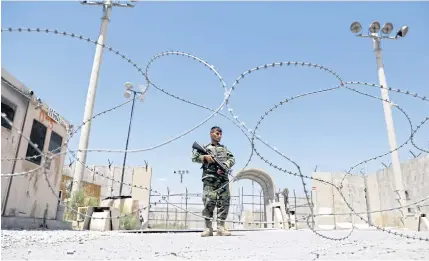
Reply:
x=374, y=33
x=129, y=89
x=127, y=94
x=92, y=89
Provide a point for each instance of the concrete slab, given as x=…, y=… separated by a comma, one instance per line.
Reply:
x=257, y=245
x=186, y=230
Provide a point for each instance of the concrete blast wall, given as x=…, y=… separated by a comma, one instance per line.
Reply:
x=137, y=182
x=370, y=193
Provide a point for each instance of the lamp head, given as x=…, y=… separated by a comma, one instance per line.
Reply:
x=402, y=31
x=387, y=28
x=127, y=94
x=143, y=88
x=355, y=27
x=128, y=85
x=374, y=27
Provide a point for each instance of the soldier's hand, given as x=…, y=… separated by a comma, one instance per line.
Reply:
x=208, y=158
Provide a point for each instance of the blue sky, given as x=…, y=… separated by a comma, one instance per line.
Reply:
x=332, y=130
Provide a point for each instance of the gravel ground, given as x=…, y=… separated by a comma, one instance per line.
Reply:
x=254, y=245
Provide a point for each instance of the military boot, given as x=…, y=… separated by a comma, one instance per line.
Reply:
x=221, y=229
x=208, y=230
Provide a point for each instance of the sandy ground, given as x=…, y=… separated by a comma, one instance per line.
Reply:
x=254, y=245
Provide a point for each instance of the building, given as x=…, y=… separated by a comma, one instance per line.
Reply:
x=29, y=195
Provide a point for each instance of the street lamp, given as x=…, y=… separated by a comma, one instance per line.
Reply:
x=92, y=89
x=129, y=89
x=181, y=173
x=374, y=33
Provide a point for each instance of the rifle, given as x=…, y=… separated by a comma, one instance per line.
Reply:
x=200, y=149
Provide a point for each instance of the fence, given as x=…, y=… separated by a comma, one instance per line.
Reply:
x=246, y=208
x=164, y=215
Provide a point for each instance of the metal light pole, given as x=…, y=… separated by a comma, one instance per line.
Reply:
x=374, y=33
x=90, y=97
x=127, y=94
x=181, y=173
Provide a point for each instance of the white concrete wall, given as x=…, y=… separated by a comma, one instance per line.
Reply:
x=142, y=177
x=109, y=179
x=323, y=200
x=415, y=175
x=380, y=195
x=373, y=197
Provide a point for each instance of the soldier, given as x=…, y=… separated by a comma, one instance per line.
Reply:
x=215, y=183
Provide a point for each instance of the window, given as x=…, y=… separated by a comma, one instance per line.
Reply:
x=55, y=142
x=9, y=110
x=37, y=136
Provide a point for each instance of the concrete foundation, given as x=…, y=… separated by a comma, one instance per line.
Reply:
x=25, y=223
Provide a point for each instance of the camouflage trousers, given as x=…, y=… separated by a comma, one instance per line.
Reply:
x=216, y=196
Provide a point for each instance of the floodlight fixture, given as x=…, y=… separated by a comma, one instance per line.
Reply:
x=143, y=88
x=355, y=27
x=402, y=31
x=127, y=94
x=374, y=27
x=387, y=28
x=128, y=85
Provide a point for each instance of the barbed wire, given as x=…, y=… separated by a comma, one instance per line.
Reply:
x=215, y=112
x=342, y=84
x=238, y=123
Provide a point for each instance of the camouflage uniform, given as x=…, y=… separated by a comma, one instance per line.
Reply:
x=215, y=187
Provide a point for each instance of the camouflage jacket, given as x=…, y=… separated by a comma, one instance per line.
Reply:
x=222, y=153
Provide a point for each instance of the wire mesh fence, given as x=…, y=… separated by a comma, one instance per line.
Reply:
x=246, y=210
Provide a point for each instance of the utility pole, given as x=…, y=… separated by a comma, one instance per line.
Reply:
x=374, y=33
x=93, y=81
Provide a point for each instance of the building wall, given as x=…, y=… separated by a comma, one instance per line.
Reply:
x=10, y=138
x=323, y=200
x=108, y=181
x=415, y=175
x=142, y=177
x=30, y=195
x=373, y=198
x=371, y=193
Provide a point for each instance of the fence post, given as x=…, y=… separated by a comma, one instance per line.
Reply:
x=296, y=219
x=260, y=208
x=168, y=199
x=253, y=204
x=186, y=207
